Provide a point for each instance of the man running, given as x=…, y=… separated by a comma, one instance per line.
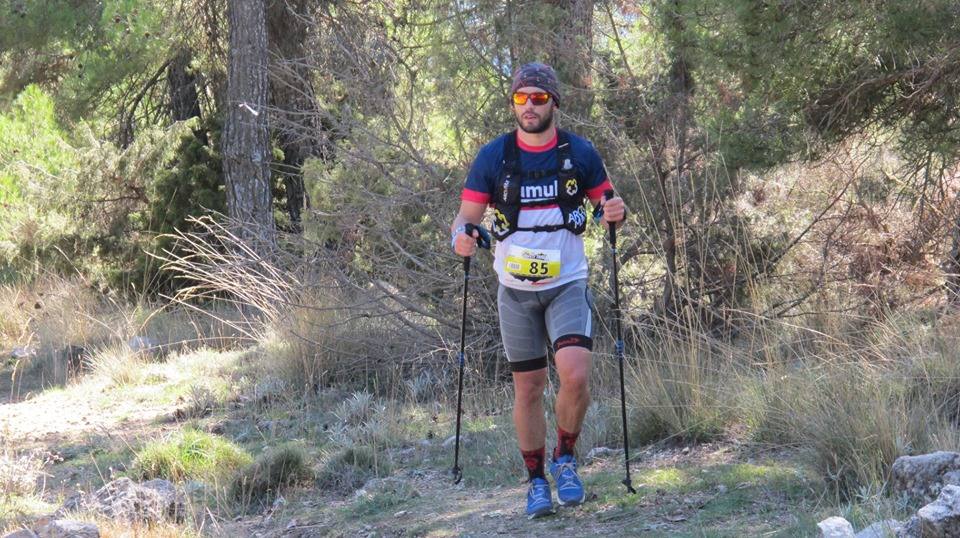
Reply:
x=536, y=178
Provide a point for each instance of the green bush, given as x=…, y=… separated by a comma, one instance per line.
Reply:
x=273, y=470
x=190, y=455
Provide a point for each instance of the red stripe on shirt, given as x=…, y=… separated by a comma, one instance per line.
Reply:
x=470, y=195
x=597, y=192
x=538, y=149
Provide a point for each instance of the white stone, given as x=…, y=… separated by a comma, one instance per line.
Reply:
x=835, y=527
x=921, y=477
x=453, y=439
x=68, y=528
x=941, y=518
x=602, y=452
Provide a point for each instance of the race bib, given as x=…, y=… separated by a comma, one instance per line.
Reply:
x=532, y=264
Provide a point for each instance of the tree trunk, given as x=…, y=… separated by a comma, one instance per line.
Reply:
x=296, y=117
x=571, y=56
x=246, y=143
x=671, y=185
x=182, y=85
x=184, y=103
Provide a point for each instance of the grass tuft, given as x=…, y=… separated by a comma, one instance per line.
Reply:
x=190, y=455
x=119, y=364
x=349, y=468
x=272, y=471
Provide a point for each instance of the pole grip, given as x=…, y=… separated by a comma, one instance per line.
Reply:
x=483, y=239
x=612, y=226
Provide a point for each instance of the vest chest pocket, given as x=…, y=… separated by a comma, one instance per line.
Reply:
x=532, y=264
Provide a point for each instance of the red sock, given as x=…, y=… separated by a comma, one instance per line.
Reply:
x=533, y=460
x=565, y=443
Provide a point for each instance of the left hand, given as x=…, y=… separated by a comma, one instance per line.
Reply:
x=613, y=209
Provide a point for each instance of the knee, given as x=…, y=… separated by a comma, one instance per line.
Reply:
x=529, y=389
x=577, y=382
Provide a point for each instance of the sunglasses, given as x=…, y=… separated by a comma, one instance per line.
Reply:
x=538, y=98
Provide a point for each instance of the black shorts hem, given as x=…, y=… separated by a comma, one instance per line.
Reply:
x=570, y=340
x=529, y=365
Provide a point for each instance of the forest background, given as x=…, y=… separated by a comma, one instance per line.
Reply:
x=287, y=171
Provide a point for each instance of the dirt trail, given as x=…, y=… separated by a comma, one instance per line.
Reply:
x=720, y=507
x=75, y=414
x=720, y=489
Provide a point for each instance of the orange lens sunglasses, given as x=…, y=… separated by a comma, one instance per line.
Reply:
x=538, y=98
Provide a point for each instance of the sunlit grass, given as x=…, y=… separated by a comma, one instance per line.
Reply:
x=190, y=455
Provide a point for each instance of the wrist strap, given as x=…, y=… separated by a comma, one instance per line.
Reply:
x=453, y=235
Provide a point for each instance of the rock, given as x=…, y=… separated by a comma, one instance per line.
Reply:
x=68, y=528
x=881, y=529
x=951, y=478
x=922, y=477
x=123, y=499
x=144, y=344
x=941, y=518
x=390, y=485
x=25, y=533
x=835, y=527
x=20, y=353
x=601, y=452
x=453, y=439
x=171, y=499
x=910, y=529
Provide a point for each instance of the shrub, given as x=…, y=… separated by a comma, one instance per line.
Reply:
x=118, y=363
x=273, y=470
x=349, y=468
x=677, y=389
x=189, y=455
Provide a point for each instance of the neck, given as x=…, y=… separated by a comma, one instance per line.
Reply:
x=537, y=139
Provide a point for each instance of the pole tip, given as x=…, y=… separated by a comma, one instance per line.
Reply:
x=457, y=474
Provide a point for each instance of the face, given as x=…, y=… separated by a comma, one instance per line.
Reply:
x=533, y=118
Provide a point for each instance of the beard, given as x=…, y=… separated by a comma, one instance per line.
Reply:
x=545, y=122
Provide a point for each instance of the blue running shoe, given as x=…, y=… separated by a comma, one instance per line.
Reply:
x=539, y=503
x=569, y=487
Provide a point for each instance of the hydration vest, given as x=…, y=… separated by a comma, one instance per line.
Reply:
x=569, y=193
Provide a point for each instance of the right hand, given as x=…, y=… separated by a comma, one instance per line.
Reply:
x=466, y=245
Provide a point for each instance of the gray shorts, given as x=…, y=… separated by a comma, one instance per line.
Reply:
x=527, y=318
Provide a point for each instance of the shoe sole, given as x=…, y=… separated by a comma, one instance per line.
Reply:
x=541, y=513
x=573, y=502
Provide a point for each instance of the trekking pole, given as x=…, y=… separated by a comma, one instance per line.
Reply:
x=619, y=347
x=484, y=242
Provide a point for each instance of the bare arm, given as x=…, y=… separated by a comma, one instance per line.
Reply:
x=471, y=212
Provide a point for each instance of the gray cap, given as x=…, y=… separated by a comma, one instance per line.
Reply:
x=540, y=75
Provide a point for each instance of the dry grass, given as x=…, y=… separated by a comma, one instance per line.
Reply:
x=21, y=472
x=117, y=529
x=118, y=364
x=679, y=388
